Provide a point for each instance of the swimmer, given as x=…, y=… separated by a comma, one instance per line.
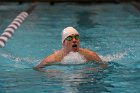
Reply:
x=70, y=43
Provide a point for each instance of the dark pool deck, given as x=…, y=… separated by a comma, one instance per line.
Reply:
x=67, y=0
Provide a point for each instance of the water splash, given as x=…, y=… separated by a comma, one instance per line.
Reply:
x=19, y=59
x=73, y=58
x=113, y=57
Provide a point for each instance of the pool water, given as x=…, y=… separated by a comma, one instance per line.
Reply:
x=112, y=30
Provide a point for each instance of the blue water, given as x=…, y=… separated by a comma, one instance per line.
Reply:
x=112, y=30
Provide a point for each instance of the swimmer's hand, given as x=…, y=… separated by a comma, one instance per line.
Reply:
x=102, y=64
x=39, y=69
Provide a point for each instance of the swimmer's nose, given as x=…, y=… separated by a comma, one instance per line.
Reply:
x=74, y=40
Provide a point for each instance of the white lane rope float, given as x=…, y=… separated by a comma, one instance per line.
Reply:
x=10, y=30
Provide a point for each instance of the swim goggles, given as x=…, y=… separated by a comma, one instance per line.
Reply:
x=69, y=38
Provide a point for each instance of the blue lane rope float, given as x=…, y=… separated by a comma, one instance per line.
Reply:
x=10, y=30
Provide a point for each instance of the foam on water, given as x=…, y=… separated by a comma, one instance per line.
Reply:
x=73, y=58
x=19, y=59
x=76, y=58
x=113, y=57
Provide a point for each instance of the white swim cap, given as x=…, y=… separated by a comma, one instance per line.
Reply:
x=67, y=32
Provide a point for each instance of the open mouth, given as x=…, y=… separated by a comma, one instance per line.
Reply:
x=74, y=45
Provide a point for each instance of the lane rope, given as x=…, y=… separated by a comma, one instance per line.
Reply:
x=15, y=24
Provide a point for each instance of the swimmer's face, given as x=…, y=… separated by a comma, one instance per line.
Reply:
x=72, y=43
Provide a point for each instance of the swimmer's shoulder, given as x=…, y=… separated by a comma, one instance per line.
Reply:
x=58, y=55
x=88, y=54
x=50, y=58
x=85, y=51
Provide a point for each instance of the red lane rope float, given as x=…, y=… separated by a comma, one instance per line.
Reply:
x=10, y=30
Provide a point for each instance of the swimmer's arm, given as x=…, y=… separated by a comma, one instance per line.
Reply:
x=45, y=62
